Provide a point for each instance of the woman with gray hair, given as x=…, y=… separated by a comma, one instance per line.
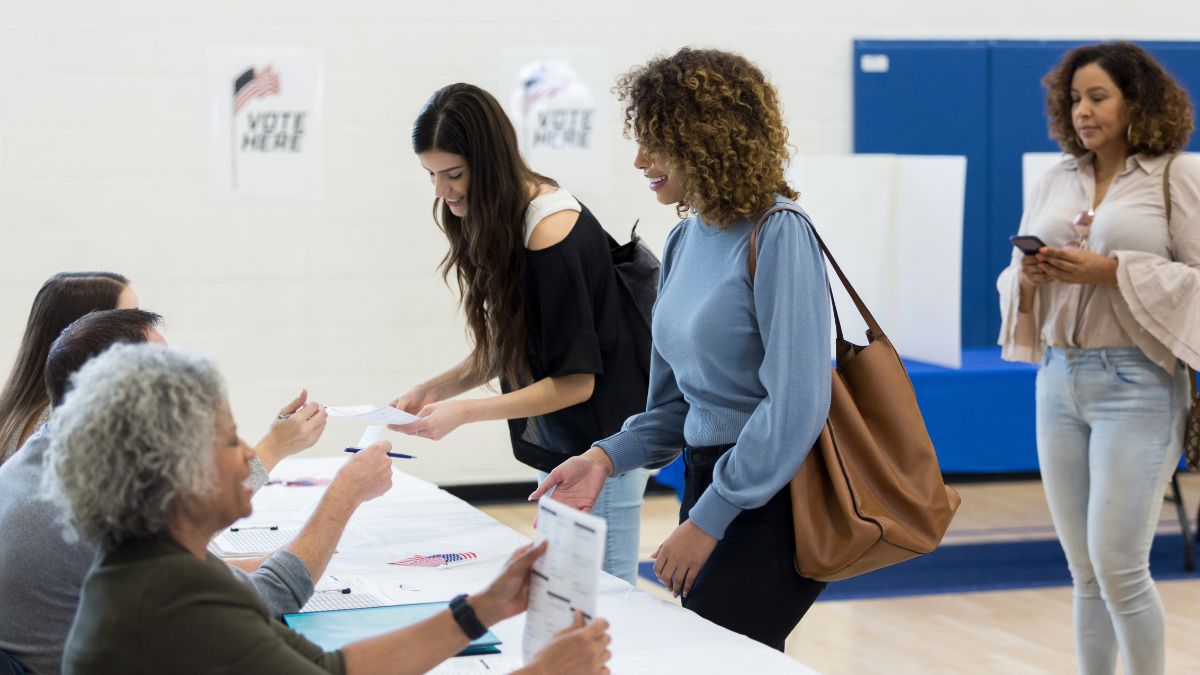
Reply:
x=146, y=460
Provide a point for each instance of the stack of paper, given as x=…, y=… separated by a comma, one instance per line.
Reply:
x=344, y=592
x=252, y=541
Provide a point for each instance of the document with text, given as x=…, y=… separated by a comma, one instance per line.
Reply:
x=566, y=577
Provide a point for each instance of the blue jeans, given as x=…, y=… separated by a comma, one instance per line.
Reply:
x=620, y=505
x=1109, y=435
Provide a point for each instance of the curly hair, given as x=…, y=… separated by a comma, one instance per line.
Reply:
x=713, y=116
x=1160, y=109
x=131, y=446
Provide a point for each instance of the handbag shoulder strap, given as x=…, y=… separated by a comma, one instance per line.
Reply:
x=873, y=329
x=1167, y=207
x=1167, y=188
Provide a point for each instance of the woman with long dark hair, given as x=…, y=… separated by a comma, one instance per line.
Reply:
x=24, y=403
x=67, y=296
x=542, y=305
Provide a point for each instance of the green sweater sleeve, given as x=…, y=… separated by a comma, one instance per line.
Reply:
x=223, y=623
x=153, y=608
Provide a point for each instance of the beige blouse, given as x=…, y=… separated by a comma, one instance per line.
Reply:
x=1156, y=306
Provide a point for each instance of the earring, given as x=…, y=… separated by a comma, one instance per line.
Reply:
x=1129, y=134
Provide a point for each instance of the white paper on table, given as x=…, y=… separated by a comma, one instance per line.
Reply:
x=329, y=594
x=372, y=414
x=252, y=540
x=565, y=579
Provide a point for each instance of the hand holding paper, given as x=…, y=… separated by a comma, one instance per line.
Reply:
x=372, y=414
x=565, y=579
x=436, y=420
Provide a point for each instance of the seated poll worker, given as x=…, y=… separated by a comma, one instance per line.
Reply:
x=41, y=573
x=145, y=459
x=66, y=296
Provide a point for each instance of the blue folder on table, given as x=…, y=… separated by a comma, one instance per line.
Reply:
x=336, y=628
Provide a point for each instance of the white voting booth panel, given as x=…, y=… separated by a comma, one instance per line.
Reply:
x=894, y=224
x=416, y=518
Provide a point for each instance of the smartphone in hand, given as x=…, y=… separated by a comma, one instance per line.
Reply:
x=1028, y=243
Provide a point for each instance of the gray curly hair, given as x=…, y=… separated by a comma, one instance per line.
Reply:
x=131, y=446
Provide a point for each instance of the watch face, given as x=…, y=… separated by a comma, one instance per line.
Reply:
x=464, y=615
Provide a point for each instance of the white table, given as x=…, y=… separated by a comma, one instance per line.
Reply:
x=649, y=635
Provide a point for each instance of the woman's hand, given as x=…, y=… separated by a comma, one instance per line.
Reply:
x=508, y=594
x=1077, y=266
x=679, y=559
x=438, y=419
x=412, y=401
x=578, y=481
x=302, y=428
x=1031, y=271
x=577, y=648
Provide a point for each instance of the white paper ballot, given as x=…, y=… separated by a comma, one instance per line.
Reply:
x=344, y=592
x=372, y=414
x=566, y=577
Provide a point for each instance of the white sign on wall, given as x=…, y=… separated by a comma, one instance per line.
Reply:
x=558, y=101
x=264, y=138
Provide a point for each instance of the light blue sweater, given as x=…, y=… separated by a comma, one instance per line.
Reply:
x=735, y=362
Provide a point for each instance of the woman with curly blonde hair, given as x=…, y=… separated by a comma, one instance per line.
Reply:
x=1109, y=306
x=739, y=374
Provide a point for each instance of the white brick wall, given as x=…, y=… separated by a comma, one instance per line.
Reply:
x=103, y=164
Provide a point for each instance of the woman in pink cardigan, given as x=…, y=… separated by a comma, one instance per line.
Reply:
x=1110, y=309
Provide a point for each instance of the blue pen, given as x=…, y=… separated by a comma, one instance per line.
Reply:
x=393, y=455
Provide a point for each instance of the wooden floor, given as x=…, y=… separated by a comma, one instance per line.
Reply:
x=1002, y=632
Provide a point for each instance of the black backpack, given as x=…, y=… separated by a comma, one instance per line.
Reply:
x=637, y=275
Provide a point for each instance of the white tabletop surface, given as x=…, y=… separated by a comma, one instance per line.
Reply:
x=649, y=635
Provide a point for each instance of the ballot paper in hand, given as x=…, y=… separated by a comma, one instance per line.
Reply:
x=372, y=414
x=566, y=577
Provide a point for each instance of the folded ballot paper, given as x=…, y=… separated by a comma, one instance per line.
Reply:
x=372, y=414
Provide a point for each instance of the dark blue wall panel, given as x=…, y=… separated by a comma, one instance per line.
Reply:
x=984, y=100
x=931, y=102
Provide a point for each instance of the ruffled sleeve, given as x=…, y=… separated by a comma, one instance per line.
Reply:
x=1162, y=296
x=1020, y=332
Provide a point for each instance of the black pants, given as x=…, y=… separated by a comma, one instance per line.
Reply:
x=749, y=584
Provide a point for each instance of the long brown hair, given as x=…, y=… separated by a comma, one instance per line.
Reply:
x=487, y=247
x=62, y=299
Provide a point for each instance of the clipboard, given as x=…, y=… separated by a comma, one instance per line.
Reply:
x=334, y=629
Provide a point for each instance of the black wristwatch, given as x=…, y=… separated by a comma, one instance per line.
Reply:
x=464, y=614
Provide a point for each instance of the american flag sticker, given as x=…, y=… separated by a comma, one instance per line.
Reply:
x=435, y=560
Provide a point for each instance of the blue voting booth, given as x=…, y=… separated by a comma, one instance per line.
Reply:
x=982, y=99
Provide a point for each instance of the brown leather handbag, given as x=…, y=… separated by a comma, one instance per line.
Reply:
x=870, y=494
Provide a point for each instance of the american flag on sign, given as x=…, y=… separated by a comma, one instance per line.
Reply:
x=251, y=85
x=435, y=560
